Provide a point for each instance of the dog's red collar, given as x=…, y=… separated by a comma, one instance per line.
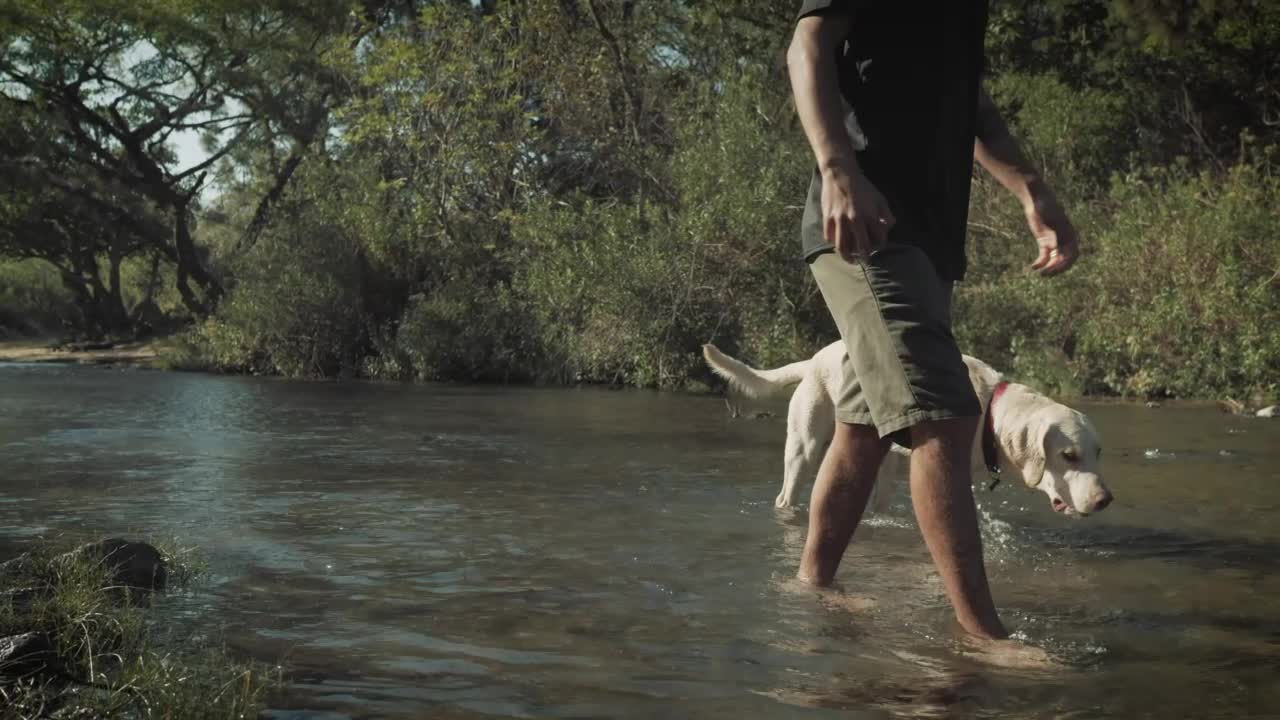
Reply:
x=990, y=453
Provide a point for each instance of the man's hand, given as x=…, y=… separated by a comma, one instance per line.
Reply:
x=1059, y=244
x=856, y=217
x=997, y=151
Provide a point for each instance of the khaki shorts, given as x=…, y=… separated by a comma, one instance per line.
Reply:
x=902, y=364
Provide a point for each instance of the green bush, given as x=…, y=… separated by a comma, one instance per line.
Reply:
x=610, y=293
x=295, y=310
x=520, y=222
x=33, y=298
x=627, y=292
x=1077, y=137
x=461, y=331
x=1187, y=299
x=1177, y=294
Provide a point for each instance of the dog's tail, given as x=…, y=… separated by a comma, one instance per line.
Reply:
x=751, y=382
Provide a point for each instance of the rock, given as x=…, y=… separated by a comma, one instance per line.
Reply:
x=20, y=565
x=21, y=599
x=1269, y=412
x=25, y=654
x=1152, y=404
x=1232, y=406
x=135, y=565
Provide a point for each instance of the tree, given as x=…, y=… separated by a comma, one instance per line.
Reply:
x=119, y=79
x=74, y=223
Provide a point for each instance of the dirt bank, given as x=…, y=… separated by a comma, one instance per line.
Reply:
x=33, y=350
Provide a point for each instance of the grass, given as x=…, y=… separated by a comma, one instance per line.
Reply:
x=183, y=351
x=114, y=661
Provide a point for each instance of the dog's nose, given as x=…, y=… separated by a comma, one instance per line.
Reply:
x=1102, y=501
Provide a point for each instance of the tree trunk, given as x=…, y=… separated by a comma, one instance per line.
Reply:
x=190, y=266
x=104, y=304
x=153, y=279
x=75, y=283
x=302, y=144
x=114, y=298
x=260, y=216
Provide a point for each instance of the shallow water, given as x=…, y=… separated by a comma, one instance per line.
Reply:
x=434, y=551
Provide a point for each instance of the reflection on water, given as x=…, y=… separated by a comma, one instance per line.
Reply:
x=467, y=552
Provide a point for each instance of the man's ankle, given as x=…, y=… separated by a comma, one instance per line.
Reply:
x=991, y=629
x=811, y=574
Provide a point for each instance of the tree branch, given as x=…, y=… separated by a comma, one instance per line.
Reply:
x=221, y=153
x=615, y=48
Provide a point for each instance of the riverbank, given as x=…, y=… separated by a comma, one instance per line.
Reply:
x=172, y=353
x=76, y=639
x=142, y=353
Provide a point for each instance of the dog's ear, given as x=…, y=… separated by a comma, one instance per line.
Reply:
x=1029, y=450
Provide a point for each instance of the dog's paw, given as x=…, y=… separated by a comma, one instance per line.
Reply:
x=782, y=501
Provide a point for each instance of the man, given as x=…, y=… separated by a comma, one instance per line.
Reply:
x=884, y=232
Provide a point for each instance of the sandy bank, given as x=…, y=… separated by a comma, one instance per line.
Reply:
x=42, y=350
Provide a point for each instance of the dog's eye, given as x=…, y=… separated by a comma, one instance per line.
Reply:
x=1070, y=456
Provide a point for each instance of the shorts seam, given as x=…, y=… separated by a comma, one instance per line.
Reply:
x=888, y=335
x=911, y=418
x=855, y=418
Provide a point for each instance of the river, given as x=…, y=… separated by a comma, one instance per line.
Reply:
x=458, y=552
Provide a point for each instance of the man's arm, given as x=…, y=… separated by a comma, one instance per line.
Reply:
x=811, y=62
x=856, y=217
x=997, y=151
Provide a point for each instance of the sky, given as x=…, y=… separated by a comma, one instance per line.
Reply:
x=187, y=147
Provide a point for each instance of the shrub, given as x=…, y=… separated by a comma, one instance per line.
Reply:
x=628, y=292
x=33, y=298
x=461, y=331
x=1188, y=295
x=295, y=310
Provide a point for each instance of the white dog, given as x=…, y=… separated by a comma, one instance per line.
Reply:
x=1052, y=447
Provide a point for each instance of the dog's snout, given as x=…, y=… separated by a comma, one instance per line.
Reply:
x=1104, y=499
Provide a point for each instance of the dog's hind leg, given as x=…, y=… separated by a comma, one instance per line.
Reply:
x=810, y=425
x=795, y=464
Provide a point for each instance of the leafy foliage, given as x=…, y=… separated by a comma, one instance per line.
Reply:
x=586, y=191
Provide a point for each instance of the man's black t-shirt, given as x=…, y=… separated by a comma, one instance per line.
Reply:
x=910, y=72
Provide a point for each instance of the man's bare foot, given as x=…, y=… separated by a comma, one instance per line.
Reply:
x=830, y=595
x=1008, y=653
x=841, y=600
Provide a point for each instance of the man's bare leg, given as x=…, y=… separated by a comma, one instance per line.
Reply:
x=840, y=495
x=942, y=494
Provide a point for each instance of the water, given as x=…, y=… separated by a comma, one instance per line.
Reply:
x=458, y=552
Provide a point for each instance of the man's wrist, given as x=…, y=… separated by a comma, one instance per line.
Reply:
x=1031, y=191
x=834, y=165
